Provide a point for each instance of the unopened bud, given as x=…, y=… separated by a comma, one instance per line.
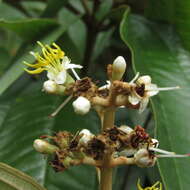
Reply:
x=126, y=129
x=44, y=146
x=67, y=162
x=144, y=159
x=81, y=105
x=52, y=87
x=118, y=69
x=86, y=136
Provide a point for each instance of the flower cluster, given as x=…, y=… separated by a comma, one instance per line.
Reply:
x=135, y=94
x=121, y=145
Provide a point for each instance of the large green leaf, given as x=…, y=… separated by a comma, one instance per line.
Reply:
x=174, y=11
x=24, y=118
x=29, y=29
x=156, y=51
x=13, y=179
x=10, y=13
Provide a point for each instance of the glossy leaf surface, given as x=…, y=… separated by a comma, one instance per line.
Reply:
x=156, y=51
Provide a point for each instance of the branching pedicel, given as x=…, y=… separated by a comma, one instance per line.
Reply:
x=114, y=145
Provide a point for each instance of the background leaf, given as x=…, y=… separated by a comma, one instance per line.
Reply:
x=175, y=12
x=12, y=179
x=156, y=51
x=23, y=119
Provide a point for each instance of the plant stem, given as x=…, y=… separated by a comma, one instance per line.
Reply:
x=106, y=179
x=109, y=118
x=105, y=171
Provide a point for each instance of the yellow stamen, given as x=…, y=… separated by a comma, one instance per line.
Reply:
x=36, y=71
x=50, y=59
x=154, y=187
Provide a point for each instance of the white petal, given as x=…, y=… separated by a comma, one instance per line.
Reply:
x=73, y=66
x=134, y=100
x=126, y=129
x=61, y=77
x=50, y=75
x=143, y=104
x=50, y=86
x=67, y=65
x=65, y=61
x=151, y=89
x=146, y=79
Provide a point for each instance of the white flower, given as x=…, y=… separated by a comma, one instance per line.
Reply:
x=54, y=61
x=59, y=74
x=143, y=89
x=81, y=105
x=86, y=136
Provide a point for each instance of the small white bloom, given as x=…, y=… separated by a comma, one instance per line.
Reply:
x=81, y=105
x=119, y=67
x=87, y=136
x=143, y=89
x=59, y=73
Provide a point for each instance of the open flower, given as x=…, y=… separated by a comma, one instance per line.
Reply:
x=143, y=89
x=156, y=186
x=54, y=61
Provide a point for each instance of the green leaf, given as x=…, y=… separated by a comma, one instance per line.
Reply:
x=53, y=7
x=156, y=51
x=9, y=13
x=24, y=118
x=176, y=12
x=104, y=9
x=4, y=59
x=13, y=179
x=29, y=29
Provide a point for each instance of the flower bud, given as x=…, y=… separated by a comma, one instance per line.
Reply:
x=52, y=87
x=126, y=129
x=81, y=105
x=144, y=159
x=44, y=147
x=118, y=69
x=86, y=136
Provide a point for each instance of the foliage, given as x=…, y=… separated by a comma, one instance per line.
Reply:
x=153, y=36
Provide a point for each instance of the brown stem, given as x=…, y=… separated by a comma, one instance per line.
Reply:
x=108, y=122
x=106, y=179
